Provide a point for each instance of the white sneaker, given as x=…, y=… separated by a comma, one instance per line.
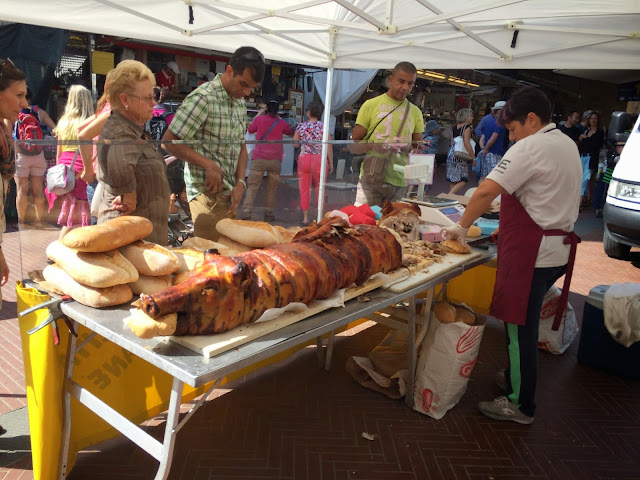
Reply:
x=502, y=409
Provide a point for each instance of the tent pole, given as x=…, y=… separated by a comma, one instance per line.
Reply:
x=325, y=141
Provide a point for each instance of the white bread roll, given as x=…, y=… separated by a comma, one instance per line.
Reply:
x=454, y=246
x=150, y=259
x=149, y=285
x=445, y=312
x=465, y=316
x=287, y=233
x=109, y=235
x=89, y=296
x=188, y=259
x=238, y=247
x=180, y=277
x=143, y=326
x=252, y=234
x=474, y=231
x=203, y=244
x=99, y=270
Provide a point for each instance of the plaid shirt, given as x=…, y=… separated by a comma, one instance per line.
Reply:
x=217, y=124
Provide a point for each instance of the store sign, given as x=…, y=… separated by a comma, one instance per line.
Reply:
x=101, y=62
x=441, y=99
x=628, y=92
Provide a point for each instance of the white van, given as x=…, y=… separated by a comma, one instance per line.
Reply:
x=621, y=212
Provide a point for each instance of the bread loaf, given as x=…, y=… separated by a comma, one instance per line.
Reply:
x=454, y=246
x=150, y=285
x=188, y=259
x=180, y=277
x=465, y=316
x=150, y=259
x=287, y=234
x=90, y=296
x=445, y=312
x=109, y=235
x=252, y=234
x=203, y=244
x=99, y=270
x=238, y=247
x=143, y=326
x=474, y=231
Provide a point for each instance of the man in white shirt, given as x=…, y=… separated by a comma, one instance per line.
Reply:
x=539, y=182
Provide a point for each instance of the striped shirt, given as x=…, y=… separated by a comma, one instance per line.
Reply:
x=217, y=124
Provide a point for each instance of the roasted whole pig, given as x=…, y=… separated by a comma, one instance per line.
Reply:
x=229, y=291
x=403, y=218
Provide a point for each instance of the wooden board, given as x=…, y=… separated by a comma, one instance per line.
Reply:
x=210, y=345
x=397, y=281
x=449, y=262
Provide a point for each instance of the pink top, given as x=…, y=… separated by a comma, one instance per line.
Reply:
x=269, y=151
x=310, y=131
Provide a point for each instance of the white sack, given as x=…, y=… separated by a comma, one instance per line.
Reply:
x=556, y=342
x=621, y=305
x=445, y=361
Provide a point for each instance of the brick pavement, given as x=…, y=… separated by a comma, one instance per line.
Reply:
x=587, y=425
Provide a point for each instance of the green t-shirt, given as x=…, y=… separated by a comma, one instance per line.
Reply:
x=372, y=111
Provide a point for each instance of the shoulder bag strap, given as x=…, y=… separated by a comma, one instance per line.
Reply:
x=270, y=128
x=404, y=118
x=374, y=128
x=73, y=162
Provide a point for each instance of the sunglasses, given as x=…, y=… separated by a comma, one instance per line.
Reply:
x=6, y=61
x=252, y=57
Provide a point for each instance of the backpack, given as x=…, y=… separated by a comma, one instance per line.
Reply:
x=157, y=126
x=28, y=128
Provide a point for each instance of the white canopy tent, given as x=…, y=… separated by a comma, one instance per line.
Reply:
x=436, y=34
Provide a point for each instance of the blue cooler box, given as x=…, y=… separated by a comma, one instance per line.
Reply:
x=597, y=348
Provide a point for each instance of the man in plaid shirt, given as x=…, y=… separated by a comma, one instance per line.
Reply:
x=213, y=119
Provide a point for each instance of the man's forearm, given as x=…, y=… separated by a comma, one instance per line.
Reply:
x=241, y=170
x=480, y=202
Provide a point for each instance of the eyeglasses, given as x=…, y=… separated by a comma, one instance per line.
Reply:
x=253, y=56
x=150, y=98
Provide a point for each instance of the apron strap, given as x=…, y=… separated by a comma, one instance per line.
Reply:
x=574, y=240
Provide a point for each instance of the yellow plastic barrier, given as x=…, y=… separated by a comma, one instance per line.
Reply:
x=474, y=287
x=130, y=385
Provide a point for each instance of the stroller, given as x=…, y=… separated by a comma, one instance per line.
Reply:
x=180, y=224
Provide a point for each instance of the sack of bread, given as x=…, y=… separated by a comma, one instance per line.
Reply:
x=110, y=235
x=150, y=285
x=150, y=259
x=455, y=246
x=246, y=232
x=89, y=296
x=447, y=313
x=188, y=259
x=93, y=269
x=203, y=244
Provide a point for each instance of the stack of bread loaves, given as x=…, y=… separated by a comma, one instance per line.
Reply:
x=104, y=265
x=447, y=313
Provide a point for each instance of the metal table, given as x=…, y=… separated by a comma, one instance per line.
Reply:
x=187, y=366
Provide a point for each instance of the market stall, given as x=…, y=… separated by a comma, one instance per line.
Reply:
x=189, y=368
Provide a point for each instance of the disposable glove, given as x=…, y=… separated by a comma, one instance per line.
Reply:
x=455, y=232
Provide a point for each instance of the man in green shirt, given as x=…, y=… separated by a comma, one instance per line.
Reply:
x=388, y=128
x=214, y=118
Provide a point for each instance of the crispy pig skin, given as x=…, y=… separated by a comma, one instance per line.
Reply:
x=225, y=292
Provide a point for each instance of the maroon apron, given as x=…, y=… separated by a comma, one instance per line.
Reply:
x=518, y=246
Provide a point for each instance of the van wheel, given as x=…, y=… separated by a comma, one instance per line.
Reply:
x=613, y=248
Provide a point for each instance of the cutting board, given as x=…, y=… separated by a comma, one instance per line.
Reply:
x=210, y=345
x=449, y=262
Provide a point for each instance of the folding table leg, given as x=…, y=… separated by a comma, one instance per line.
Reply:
x=173, y=416
x=66, y=422
x=329, y=352
x=411, y=351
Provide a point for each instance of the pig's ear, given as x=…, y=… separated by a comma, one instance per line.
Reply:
x=242, y=275
x=209, y=254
